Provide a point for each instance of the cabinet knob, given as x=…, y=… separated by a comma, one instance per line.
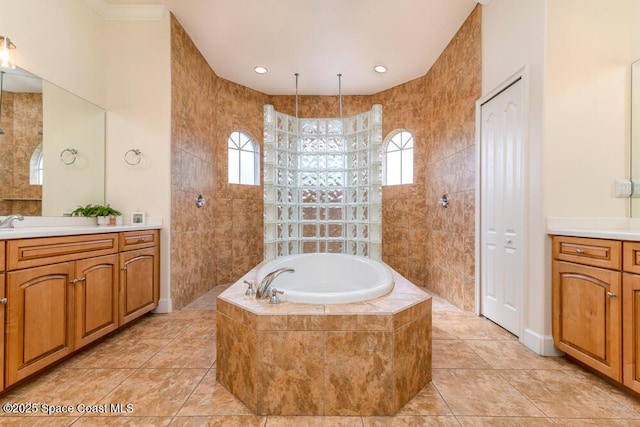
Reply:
x=74, y=281
x=141, y=240
x=3, y=300
x=580, y=251
x=124, y=268
x=611, y=295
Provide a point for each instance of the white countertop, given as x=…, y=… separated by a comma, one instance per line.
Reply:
x=51, y=227
x=599, y=228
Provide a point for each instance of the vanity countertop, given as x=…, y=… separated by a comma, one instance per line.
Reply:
x=27, y=232
x=633, y=235
x=597, y=228
x=53, y=226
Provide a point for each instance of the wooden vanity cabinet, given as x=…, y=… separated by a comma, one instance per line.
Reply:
x=587, y=284
x=2, y=309
x=66, y=292
x=631, y=316
x=53, y=307
x=139, y=274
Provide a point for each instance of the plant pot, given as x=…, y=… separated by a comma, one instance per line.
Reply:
x=110, y=220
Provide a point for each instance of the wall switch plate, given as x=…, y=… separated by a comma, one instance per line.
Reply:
x=623, y=188
x=635, y=188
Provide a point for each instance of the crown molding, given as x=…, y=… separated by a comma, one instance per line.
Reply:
x=128, y=12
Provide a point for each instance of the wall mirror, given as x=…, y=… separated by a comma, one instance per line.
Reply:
x=52, y=147
x=635, y=135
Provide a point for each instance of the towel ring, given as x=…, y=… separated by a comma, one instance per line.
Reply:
x=68, y=159
x=133, y=157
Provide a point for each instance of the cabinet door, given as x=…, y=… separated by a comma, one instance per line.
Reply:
x=631, y=331
x=38, y=316
x=139, y=283
x=96, y=298
x=586, y=315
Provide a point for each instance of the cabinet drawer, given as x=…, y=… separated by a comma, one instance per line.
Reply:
x=25, y=253
x=594, y=252
x=131, y=240
x=631, y=257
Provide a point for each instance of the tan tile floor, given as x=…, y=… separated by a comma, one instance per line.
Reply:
x=164, y=366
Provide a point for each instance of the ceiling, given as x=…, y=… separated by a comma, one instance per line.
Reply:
x=319, y=39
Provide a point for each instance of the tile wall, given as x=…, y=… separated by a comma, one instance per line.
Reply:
x=431, y=246
x=219, y=242
x=21, y=120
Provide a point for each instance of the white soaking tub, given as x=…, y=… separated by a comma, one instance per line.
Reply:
x=322, y=278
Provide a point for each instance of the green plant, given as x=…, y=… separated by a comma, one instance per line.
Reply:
x=95, y=210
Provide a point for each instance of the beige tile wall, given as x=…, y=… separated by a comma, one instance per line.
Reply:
x=217, y=243
x=430, y=246
x=21, y=120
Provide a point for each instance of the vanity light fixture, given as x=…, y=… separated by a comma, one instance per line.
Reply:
x=380, y=69
x=7, y=53
x=260, y=69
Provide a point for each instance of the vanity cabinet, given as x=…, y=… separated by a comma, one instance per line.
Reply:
x=61, y=295
x=596, y=305
x=631, y=316
x=587, y=283
x=139, y=275
x=66, y=292
x=2, y=309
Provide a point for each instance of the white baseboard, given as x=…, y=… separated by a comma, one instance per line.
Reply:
x=541, y=344
x=164, y=306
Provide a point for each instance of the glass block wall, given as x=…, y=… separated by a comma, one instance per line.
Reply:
x=322, y=182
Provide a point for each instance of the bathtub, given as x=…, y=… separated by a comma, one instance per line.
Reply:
x=329, y=278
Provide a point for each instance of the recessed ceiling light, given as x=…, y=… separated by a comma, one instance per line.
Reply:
x=260, y=70
x=380, y=69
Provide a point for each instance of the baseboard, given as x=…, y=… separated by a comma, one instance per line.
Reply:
x=164, y=306
x=540, y=344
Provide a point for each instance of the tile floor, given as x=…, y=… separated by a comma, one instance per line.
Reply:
x=164, y=366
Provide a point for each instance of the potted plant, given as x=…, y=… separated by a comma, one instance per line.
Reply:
x=106, y=215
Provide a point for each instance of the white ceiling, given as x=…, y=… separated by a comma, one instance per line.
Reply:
x=319, y=39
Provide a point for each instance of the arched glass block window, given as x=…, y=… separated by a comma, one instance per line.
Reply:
x=35, y=166
x=398, y=159
x=244, y=159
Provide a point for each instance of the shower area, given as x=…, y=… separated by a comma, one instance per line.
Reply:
x=322, y=184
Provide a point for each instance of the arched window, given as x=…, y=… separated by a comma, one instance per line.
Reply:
x=244, y=159
x=398, y=159
x=35, y=166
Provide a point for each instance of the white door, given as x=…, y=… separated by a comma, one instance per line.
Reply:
x=502, y=207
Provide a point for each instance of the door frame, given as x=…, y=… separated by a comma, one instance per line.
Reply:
x=523, y=75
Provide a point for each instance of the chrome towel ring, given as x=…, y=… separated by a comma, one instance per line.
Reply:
x=133, y=157
x=68, y=156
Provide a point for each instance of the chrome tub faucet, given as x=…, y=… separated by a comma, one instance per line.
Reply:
x=263, y=288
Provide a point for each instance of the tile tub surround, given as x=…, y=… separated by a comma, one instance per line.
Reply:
x=367, y=358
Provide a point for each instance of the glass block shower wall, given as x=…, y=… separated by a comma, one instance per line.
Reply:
x=322, y=182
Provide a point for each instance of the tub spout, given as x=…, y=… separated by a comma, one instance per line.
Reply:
x=263, y=288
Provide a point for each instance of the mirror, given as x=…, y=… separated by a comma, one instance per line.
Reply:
x=52, y=147
x=635, y=136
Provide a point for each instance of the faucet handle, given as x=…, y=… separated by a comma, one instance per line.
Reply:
x=274, y=296
x=250, y=290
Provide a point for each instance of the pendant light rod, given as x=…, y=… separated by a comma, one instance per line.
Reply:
x=340, y=93
x=297, y=75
